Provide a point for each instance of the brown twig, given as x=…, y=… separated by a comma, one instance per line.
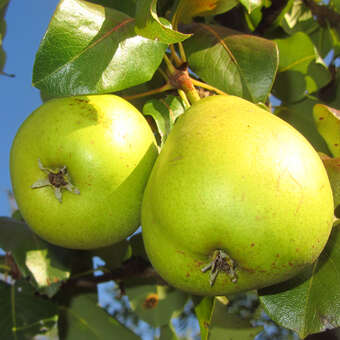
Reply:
x=323, y=13
x=134, y=268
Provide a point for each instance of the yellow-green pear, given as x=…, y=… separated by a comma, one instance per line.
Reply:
x=237, y=200
x=79, y=166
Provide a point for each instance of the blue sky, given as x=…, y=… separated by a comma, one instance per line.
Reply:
x=26, y=24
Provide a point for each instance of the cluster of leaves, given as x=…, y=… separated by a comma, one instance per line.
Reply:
x=249, y=48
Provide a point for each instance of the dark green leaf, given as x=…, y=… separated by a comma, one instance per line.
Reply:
x=48, y=265
x=84, y=319
x=327, y=120
x=137, y=246
x=188, y=9
x=228, y=326
x=156, y=304
x=164, y=112
x=204, y=309
x=234, y=62
x=114, y=255
x=149, y=25
x=322, y=40
x=168, y=333
x=23, y=314
x=85, y=49
x=318, y=76
x=297, y=52
x=308, y=303
x=300, y=115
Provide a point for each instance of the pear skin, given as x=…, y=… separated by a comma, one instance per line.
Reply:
x=237, y=200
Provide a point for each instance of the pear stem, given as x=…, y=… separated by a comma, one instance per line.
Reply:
x=174, y=55
x=179, y=78
x=164, y=88
x=208, y=87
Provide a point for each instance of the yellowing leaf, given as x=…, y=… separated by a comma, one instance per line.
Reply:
x=332, y=166
x=327, y=121
x=187, y=9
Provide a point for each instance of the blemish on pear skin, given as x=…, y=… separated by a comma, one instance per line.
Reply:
x=277, y=255
x=187, y=275
x=151, y=301
x=291, y=264
x=252, y=245
x=199, y=263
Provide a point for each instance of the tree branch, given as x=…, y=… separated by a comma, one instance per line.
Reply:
x=135, y=268
x=323, y=13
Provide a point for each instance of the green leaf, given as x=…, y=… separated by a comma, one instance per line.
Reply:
x=299, y=18
x=251, y=5
x=149, y=25
x=115, y=254
x=229, y=326
x=204, y=309
x=23, y=314
x=137, y=246
x=327, y=121
x=84, y=319
x=156, y=304
x=221, y=57
x=300, y=115
x=164, y=112
x=297, y=52
x=335, y=4
x=318, y=76
x=46, y=264
x=322, y=40
x=168, y=333
x=332, y=166
x=335, y=34
x=84, y=52
x=127, y=6
x=253, y=18
x=188, y=9
x=308, y=303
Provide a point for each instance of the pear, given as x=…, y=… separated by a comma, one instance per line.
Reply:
x=237, y=200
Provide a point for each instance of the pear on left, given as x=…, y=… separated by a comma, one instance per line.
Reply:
x=79, y=166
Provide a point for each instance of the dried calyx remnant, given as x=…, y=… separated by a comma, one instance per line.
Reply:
x=221, y=262
x=57, y=178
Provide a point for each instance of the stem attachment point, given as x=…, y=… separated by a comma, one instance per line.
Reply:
x=58, y=179
x=221, y=262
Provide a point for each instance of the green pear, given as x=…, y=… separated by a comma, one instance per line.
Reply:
x=237, y=200
x=79, y=166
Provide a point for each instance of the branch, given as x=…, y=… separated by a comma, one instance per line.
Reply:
x=134, y=268
x=323, y=13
